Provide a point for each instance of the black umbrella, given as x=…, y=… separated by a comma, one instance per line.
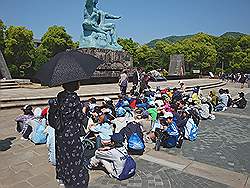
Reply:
x=67, y=67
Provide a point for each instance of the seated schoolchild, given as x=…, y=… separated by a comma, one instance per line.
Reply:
x=152, y=111
x=158, y=100
x=223, y=100
x=177, y=95
x=170, y=128
x=142, y=103
x=108, y=104
x=131, y=128
x=129, y=111
x=121, y=120
x=120, y=101
x=38, y=124
x=133, y=133
x=151, y=135
x=103, y=129
x=205, y=109
x=229, y=102
x=240, y=102
x=213, y=98
x=92, y=104
x=112, y=158
x=196, y=98
x=181, y=126
x=22, y=119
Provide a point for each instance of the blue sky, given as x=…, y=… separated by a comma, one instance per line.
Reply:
x=142, y=20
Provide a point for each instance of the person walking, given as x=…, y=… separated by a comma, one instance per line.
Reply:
x=123, y=82
x=70, y=168
x=242, y=80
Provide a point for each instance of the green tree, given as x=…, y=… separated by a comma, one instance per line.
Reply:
x=244, y=43
x=2, y=33
x=40, y=56
x=147, y=57
x=200, y=52
x=225, y=47
x=163, y=57
x=18, y=50
x=129, y=46
x=57, y=40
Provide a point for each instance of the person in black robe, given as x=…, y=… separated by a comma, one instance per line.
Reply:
x=70, y=168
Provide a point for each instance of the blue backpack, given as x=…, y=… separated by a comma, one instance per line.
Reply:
x=171, y=141
x=128, y=169
x=135, y=142
x=191, y=130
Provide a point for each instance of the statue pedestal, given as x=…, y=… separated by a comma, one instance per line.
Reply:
x=98, y=40
x=115, y=62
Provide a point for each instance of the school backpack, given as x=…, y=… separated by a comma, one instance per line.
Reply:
x=243, y=103
x=191, y=130
x=230, y=101
x=135, y=142
x=145, y=114
x=171, y=141
x=38, y=135
x=195, y=115
x=128, y=169
x=26, y=131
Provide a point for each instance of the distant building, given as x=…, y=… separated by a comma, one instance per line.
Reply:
x=37, y=42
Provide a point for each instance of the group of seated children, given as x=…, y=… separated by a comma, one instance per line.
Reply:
x=164, y=116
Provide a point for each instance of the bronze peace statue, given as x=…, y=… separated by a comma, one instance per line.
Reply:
x=97, y=32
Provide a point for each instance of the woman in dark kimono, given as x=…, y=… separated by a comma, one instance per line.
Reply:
x=69, y=151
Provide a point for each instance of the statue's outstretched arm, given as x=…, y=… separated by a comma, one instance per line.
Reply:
x=110, y=16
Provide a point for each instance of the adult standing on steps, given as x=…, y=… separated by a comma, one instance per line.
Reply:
x=69, y=151
x=136, y=80
x=123, y=82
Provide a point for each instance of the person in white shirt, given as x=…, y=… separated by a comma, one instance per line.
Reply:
x=113, y=158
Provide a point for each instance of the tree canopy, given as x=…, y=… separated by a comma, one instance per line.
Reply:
x=57, y=40
x=18, y=50
x=2, y=31
x=201, y=51
x=22, y=58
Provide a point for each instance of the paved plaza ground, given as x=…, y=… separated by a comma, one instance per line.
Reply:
x=218, y=158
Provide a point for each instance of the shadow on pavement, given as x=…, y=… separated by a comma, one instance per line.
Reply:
x=6, y=143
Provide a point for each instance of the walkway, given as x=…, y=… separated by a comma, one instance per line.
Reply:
x=218, y=158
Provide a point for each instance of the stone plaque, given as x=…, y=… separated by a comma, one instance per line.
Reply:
x=115, y=61
x=176, y=66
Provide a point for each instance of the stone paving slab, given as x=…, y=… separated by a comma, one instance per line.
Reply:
x=210, y=172
x=216, y=174
x=223, y=142
x=152, y=175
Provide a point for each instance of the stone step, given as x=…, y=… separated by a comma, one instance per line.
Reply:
x=7, y=81
x=44, y=101
x=9, y=86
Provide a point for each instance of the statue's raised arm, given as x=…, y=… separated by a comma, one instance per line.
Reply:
x=110, y=16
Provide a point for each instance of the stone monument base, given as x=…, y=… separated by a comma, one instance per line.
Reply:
x=115, y=62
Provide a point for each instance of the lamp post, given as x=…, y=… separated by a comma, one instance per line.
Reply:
x=222, y=64
x=222, y=67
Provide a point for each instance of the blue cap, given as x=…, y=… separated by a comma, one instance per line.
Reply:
x=120, y=112
x=125, y=103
